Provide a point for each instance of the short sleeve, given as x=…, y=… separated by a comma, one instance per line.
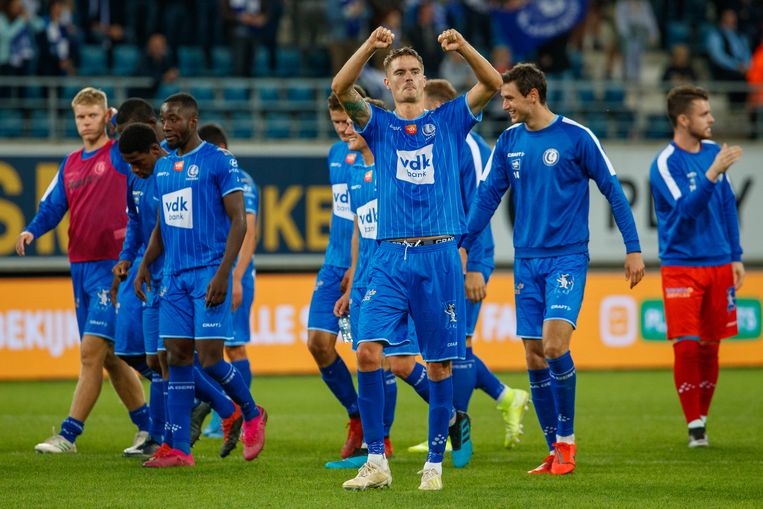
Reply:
x=228, y=174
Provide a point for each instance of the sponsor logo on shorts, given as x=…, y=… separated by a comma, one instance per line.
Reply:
x=515, y=154
x=550, y=157
x=100, y=323
x=368, y=295
x=453, y=343
x=518, y=288
x=678, y=293
x=450, y=312
x=561, y=306
x=208, y=325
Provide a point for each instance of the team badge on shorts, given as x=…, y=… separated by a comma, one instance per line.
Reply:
x=731, y=300
x=450, y=312
x=566, y=283
x=103, y=298
x=368, y=295
x=318, y=285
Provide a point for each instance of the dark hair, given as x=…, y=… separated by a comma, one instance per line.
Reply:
x=336, y=105
x=137, y=138
x=214, y=134
x=406, y=51
x=440, y=90
x=135, y=109
x=186, y=101
x=527, y=77
x=680, y=99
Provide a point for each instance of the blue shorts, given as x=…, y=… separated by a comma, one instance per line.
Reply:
x=96, y=315
x=129, y=332
x=325, y=295
x=425, y=282
x=548, y=289
x=151, y=340
x=473, y=310
x=406, y=331
x=183, y=312
x=241, y=317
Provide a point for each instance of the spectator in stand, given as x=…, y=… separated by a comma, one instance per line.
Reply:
x=455, y=69
x=755, y=80
x=17, y=49
x=157, y=63
x=637, y=28
x=102, y=21
x=347, y=19
x=729, y=54
x=680, y=70
x=423, y=35
x=57, y=42
x=248, y=19
x=501, y=59
x=478, y=26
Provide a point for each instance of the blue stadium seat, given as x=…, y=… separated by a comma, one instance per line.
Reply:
x=318, y=63
x=625, y=123
x=260, y=67
x=288, y=62
x=677, y=32
x=70, y=127
x=191, y=61
x=243, y=125
x=586, y=97
x=598, y=123
x=39, y=126
x=657, y=127
x=277, y=126
x=204, y=94
x=300, y=94
x=268, y=94
x=11, y=123
x=166, y=89
x=126, y=58
x=614, y=96
x=92, y=61
x=235, y=94
x=221, y=61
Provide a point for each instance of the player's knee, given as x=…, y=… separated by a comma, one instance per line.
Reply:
x=553, y=350
x=236, y=353
x=369, y=357
x=153, y=363
x=322, y=347
x=179, y=357
x=210, y=357
x=535, y=358
x=401, y=368
x=437, y=371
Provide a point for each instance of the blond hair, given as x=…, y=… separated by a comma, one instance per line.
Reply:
x=90, y=96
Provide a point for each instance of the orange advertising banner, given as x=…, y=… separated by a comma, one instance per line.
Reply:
x=618, y=328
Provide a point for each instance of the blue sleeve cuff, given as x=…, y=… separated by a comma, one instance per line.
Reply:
x=467, y=241
x=632, y=247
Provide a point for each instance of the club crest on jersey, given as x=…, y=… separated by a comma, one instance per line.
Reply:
x=178, y=208
x=428, y=130
x=416, y=166
x=369, y=176
x=450, y=311
x=100, y=167
x=193, y=172
x=179, y=165
x=350, y=158
x=550, y=157
x=411, y=129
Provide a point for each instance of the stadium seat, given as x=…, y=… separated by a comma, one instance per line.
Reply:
x=614, y=97
x=191, y=61
x=236, y=95
x=586, y=97
x=318, y=63
x=277, y=125
x=70, y=127
x=301, y=94
x=598, y=123
x=166, y=90
x=39, y=127
x=11, y=123
x=677, y=32
x=625, y=123
x=260, y=64
x=657, y=127
x=268, y=94
x=288, y=64
x=222, y=64
x=243, y=125
x=204, y=94
x=92, y=61
x=126, y=58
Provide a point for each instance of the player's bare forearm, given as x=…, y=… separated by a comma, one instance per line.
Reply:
x=356, y=107
x=247, y=248
x=234, y=208
x=155, y=246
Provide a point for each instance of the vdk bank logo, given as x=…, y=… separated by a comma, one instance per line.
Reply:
x=178, y=208
x=416, y=166
x=340, y=196
x=367, y=219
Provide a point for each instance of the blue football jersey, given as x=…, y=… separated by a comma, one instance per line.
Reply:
x=251, y=201
x=548, y=171
x=474, y=155
x=190, y=189
x=142, y=206
x=417, y=162
x=364, y=201
x=338, y=252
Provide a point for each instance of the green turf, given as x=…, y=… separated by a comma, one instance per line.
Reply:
x=631, y=437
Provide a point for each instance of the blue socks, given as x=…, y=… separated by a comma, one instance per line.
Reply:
x=486, y=380
x=167, y=425
x=390, y=400
x=371, y=404
x=464, y=380
x=245, y=369
x=440, y=410
x=543, y=401
x=234, y=386
x=143, y=369
x=156, y=402
x=419, y=381
x=339, y=380
x=179, y=404
x=71, y=428
x=209, y=391
x=563, y=380
x=141, y=417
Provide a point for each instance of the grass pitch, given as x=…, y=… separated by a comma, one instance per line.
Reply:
x=631, y=452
